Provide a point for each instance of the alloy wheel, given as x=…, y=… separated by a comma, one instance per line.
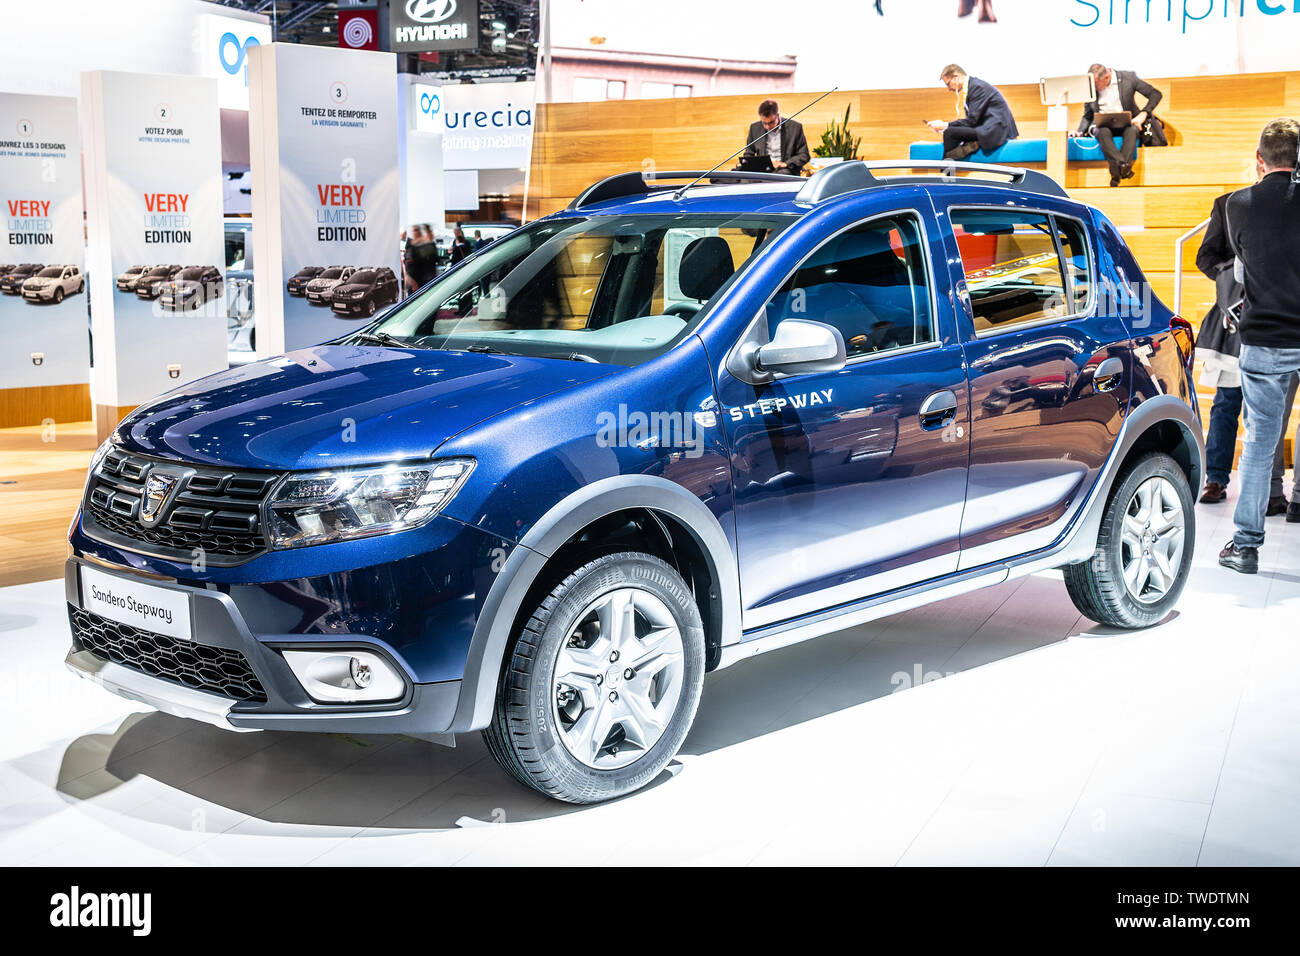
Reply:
x=618, y=678
x=1151, y=542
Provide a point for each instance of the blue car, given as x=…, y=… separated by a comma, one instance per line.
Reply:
x=669, y=427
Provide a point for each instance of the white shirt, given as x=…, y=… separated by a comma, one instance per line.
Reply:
x=774, y=142
x=1108, y=100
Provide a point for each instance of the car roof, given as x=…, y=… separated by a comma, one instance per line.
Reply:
x=858, y=182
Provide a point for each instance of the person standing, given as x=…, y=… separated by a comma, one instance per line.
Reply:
x=984, y=117
x=1117, y=92
x=1218, y=344
x=1264, y=229
x=786, y=145
x=460, y=246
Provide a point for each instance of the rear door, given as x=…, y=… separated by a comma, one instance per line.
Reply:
x=1049, y=372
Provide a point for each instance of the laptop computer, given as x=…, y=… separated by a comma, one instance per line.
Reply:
x=756, y=164
x=1116, y=121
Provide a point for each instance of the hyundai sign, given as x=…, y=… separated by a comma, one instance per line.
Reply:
x=425, y=26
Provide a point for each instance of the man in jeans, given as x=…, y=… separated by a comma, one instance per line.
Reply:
x=1264, y=228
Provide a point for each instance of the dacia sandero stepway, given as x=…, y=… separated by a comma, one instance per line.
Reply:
x=671, y=426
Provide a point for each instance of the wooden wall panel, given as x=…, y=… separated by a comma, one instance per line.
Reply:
x=32, y=406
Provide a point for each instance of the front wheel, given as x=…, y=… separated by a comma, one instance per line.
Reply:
x=58, y=295
x=1144, y=548
x=603, y=681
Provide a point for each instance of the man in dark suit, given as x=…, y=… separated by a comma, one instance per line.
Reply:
x=787, y=146
x=1117, y=93
x=985, y=121
x=1264, y=230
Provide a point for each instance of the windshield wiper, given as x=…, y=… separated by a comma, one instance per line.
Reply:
x=378, y=338
x=571, y=357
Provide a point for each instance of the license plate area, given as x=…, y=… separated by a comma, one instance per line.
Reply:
x=137, y=603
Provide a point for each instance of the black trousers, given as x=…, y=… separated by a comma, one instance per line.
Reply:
x=1127, y=150
x=954, y=136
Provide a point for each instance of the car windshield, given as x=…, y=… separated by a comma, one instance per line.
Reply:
x=51, y=272
x=611, y=289
x=190, y=274
x=364, y=275
x=159, y=271
x=309, y=271
x=330, y=274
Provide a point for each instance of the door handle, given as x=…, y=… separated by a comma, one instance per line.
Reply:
x=1108, y=375
x=938, y=409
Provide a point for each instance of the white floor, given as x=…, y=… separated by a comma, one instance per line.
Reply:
x=1049, y=741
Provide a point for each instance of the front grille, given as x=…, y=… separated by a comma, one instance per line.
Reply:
x=217, y=670
x=212, y=510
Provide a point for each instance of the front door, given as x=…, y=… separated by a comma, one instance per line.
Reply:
x=852, y=483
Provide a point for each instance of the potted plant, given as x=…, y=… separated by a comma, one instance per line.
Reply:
x=838, y=144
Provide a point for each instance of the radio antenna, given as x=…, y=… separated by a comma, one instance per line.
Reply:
x=785, y=119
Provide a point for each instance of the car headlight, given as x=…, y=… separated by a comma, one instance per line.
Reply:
x=97, y=458
x=328, y=506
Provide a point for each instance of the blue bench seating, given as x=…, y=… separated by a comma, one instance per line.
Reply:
x=1082, y=149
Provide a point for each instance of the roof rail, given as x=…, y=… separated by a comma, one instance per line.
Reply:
x=623, y=185
x=858, y=174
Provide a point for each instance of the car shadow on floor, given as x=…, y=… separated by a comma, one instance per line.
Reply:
x=400, y=783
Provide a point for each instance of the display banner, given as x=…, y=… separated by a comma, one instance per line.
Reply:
x=487, y=125
x=323, y=147
x=44, y=338
x=898, y=44
x=430, y=26
x=156, y=241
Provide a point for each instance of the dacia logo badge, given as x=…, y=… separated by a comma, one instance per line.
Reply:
x=157, y=488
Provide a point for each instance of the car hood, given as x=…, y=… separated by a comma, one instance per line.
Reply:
x=336, y=405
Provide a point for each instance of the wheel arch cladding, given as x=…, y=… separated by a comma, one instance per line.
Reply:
x=667, y=517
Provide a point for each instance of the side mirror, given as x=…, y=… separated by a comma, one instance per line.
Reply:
x=802, y=346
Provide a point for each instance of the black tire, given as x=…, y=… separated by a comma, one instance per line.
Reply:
x=370, y=307
x=58, y=295
x=524, y=737
x=1097, y=586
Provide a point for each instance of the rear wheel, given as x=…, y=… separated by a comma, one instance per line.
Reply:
x=603, y=681
x=1144, y=548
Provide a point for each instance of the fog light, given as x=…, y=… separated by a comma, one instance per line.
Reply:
x=345, y=676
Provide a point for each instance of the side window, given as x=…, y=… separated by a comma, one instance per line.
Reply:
x=1014, y=271
x=1078, y=272
x=869, y=282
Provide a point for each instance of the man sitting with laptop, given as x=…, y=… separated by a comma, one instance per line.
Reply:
x=782, y=145
x=1114, y=113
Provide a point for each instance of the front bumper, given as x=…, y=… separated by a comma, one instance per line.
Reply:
x=39, y=295
x=217, y=622
x=348, y=306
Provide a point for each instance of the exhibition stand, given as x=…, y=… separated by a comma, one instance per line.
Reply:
x=154, y=221
x=322, y=138
x=44, y=349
